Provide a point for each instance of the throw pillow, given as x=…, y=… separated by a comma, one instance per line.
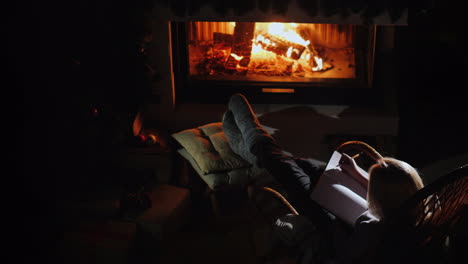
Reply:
x=210, y=149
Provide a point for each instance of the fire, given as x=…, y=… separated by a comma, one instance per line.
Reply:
x=287, y=31
x=261, y=49
x=319, y=62
x=283, y=39
x=289, y=52
x=237, y=57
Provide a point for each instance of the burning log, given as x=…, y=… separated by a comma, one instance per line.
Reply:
x=305, y=33
x=280, y=46
x=316, y=62
x=241, y=45
x=212, y=61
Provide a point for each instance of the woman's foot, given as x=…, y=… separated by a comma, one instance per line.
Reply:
x=236, y=141
x=247, y=122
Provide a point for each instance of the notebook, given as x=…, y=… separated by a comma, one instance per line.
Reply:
x=339, y=193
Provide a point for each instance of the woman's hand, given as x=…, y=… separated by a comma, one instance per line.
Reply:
x=348, y=165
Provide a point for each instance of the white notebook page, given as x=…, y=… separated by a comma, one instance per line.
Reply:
x=339, y=193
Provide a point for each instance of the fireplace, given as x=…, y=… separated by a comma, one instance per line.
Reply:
x=280, y=52
x=273, y=62
x=287, y=57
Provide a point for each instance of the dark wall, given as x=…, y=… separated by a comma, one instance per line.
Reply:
x=64, y=61
x=83, y=74
x=432, y=93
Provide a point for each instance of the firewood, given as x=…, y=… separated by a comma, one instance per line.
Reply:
x=281, y=46
x=241, y=45
x=306, y=34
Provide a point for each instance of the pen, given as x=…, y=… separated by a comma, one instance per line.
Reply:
x=353, y=157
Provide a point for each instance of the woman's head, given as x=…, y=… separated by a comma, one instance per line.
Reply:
x=391, y=182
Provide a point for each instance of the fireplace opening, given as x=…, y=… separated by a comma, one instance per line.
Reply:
x=273, y=62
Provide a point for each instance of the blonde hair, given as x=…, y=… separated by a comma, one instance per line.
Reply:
x=391, y=182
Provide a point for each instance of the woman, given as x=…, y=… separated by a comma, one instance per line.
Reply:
x=390, y=182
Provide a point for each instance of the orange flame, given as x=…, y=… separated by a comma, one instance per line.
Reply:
x=288, y=32
x=319, y=62
x=237, y=57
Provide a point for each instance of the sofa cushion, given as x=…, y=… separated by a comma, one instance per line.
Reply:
x=209, y=148
x=217, y=181
x=239, y=177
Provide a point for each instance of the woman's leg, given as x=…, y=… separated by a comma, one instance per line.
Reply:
x=247, y=122
x=270, y=156
x=297, y=176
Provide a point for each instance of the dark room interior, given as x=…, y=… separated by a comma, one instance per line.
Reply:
x=100, y=89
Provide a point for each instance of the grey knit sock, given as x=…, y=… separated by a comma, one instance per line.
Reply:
x=234, y=136
x=248, y=124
